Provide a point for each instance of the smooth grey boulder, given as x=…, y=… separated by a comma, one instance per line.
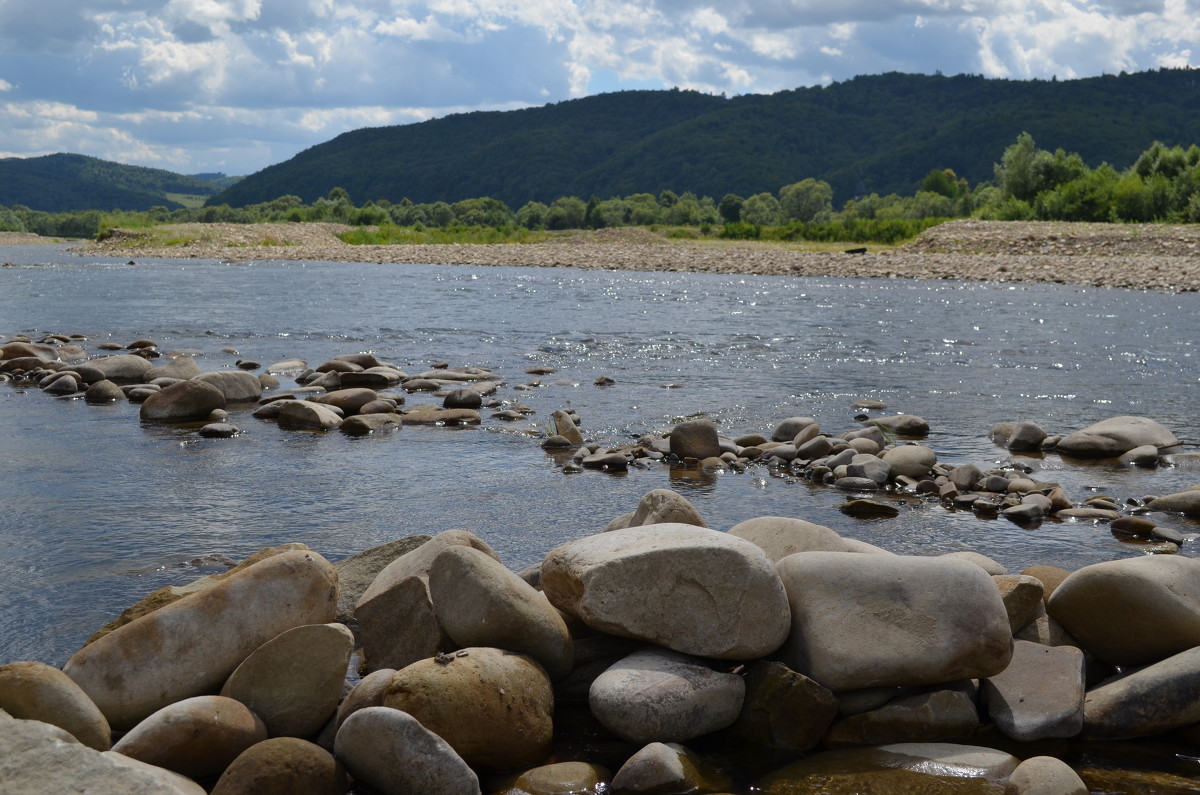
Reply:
x=233, y=617
x=1132, y=611
x=784, y=709
x=238, y=386
x=983, y=561
x=348, y=400
x=294, y=681
x=942, y=714
x=196, y=737
x=780, y=536
x=908, y=425
x=124, y=368
x=479, y=602
x=910, y=460
x=1154, y=699
x=37, y=759
x=394, y=754
x=1025, y=437
x=695, y=439
x=663, y=506
x=787, y=429
x=965, y=476
x=1114, y=436
x=870, y=467
x=687, y=588
x=181, y=367
x=184, y=401
x=892, y=620
x=1039, y=695
x=308, y=416
x=1144, y=456
x=564, y=426
x=36, y=691
x=1185, y=502
x=655, y=695
x=395, y=615
x=364, y=424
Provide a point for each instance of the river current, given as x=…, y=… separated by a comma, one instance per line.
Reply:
x=97, y=509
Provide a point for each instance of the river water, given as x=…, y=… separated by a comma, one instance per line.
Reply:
x=98, y=509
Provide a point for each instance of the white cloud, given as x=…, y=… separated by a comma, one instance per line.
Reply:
x=5, y=86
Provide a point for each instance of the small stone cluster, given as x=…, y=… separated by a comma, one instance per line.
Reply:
x=778, y=634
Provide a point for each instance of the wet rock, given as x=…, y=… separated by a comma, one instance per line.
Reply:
x=479, y=602
x=869, y=467
x=1133, y=611
x=667, y=767
x=462, y=399
x=369, y=692
x=185, y=401
x=942, y=714
x=1025, y=437
x=308, y=416
x=37, y=759
x=235, y=616
x=103, y=391
x=965, y=476
x=1045, y=775
x=219, y=430
x=395, y=615
x=869, y=509
x=283, y=766
x=780, y=536
x=1152, y=700
x=663, y=506
x=656, y=695
x=695, y=439
x=367, y=380
x=786, y=430
x=364, y=424
x=891, y=620
x=181, y=367
x=1185, y=502
x=784, y=709
x=565, y=426
x=349, y=401
x=293, y=682
x=1039, y=695
x=123, y=368
x=197, y=737
x=237, y=386
x=493, y=707
x=29, y=350
x=394, y=754
x=906, y=425
x=433, y=415
x=911, y=460
x=1114, y=436
x=36, y=691
x=896, y=768
x=690, y=589
x=1144, y=456
x=559, y=778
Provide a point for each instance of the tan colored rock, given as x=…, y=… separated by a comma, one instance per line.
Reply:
x=124, y=368
x=494, y=708
x=1185, y=502
x=1133, y=611
x=182, y=367
x=197, y=737
x=283, y=766
x=308, y=416
x=394, y=754
x=356, y=572
x=662, y=506
x=910, y=460
x=687, y=588
x=892, y=620
x=982, y=561
x=1045, y=775
x=655, y=695
x=1050, y=576
x=479, y=602
x=191, y=646
x=395, y=615
x=695, y=439
x=559, y=778
x=1022, y=596
x=369, y=692
x=1039, y=695
x=185, y=401
x=564, y=426
x=1114, y=436
x=294, y=681
x=238, y=386
x=36, y=691
x=780, y=536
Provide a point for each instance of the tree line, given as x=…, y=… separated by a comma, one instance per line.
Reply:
x=1163, y=185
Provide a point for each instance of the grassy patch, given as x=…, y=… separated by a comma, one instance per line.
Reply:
x=189, y=200
x=391, y=234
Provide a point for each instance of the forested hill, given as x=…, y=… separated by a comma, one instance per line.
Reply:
x=64, y=182
x=893, y=128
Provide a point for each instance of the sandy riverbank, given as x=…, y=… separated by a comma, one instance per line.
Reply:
x=1150, y=257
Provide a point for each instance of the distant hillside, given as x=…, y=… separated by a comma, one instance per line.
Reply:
x=894, y=128
x=64, y=182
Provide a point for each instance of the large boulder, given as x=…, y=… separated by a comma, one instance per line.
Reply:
x=664, y=506
x=182, y=367
x=294, y=681
x=238, y=386
x=1114, y=436
x=780, y=536
x=656, y=695
x=37, y=758
x=184, y=401
x=1132, y=611
x=910, y=460
x=687, y=588
x=396, y=619
x=394, y=754
x=1185, y=502
x=892, y=620
x=1155, y=699
x=305, y=415
x=125, y=368
x=36, y=691
x=197, y=737
x=479, y=602
x=191, y=646
x=283, y=766
x=356, y=572
x=495, y=708
x=696, y=439
x=1039, y=695
x=348, y=400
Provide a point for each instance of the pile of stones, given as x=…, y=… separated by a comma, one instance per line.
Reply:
x=428, y=666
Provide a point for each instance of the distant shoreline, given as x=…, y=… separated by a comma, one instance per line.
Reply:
x=1134, y=256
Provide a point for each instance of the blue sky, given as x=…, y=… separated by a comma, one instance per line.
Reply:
x=236, y=85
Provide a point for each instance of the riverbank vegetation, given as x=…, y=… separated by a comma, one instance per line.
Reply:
x=1029, y=183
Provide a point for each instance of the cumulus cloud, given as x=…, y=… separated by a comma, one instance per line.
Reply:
x=235, y=85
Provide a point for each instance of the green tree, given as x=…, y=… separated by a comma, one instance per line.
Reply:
x=805, y=200
x=761, y=209
x=532, y=215
x=566, y=212
x=730, y=208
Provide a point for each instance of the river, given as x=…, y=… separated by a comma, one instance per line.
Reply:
x=99, y=509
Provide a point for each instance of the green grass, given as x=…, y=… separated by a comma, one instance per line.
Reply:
x=390, y=234
x=189, y=200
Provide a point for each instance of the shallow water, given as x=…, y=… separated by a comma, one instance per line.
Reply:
x=99, y=509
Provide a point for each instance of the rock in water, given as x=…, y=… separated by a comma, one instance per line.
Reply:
x=1114, y=436
x=191, y=646
x=691, y=589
